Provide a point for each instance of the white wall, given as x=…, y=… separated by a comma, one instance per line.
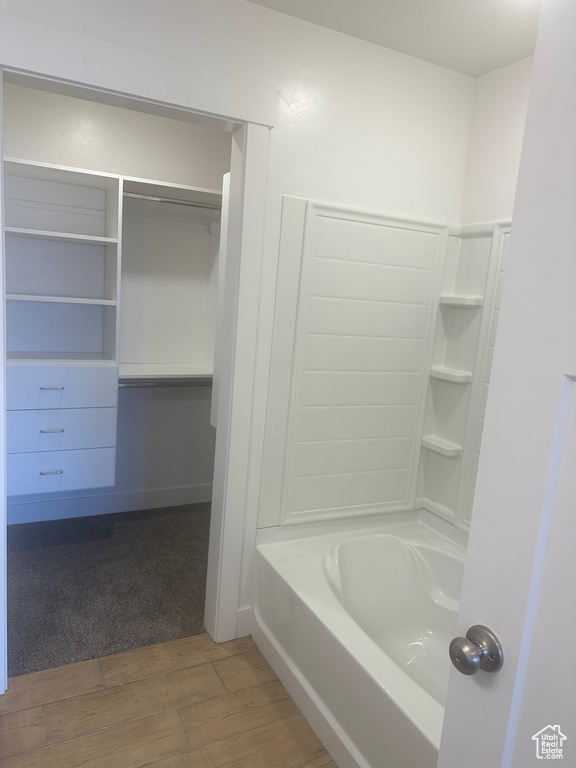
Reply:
x=495, y=143
x=355, y=123
x=67, y=131
x=165, y=441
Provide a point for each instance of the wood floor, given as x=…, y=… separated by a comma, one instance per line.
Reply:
x=184, y=704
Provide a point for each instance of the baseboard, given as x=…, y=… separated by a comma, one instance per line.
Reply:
x=244, y=622
x=106, y=503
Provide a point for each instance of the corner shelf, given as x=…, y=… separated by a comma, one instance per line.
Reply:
x=443, y=447
x=460, y=301
x=450, y=374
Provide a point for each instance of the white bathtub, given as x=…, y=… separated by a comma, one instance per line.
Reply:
x=357, y=624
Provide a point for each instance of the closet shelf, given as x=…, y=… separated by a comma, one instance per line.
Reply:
x=450, y=374
x=158, y=372
x=59, y=299
x=60, y=237
x=461, y=301
x=441, y=446
x=58, y=358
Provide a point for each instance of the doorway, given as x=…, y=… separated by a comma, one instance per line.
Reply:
x=230, y=287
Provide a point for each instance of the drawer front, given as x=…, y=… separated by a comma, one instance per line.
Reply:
x=60, y=429
x=54, y=386
x=49, y=471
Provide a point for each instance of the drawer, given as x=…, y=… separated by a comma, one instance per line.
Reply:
x=61, y=386
x=66, y=470
x=60, y=429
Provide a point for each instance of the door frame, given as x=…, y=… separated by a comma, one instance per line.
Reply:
x=236, y=448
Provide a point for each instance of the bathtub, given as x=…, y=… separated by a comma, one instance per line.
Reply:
x=356, y=621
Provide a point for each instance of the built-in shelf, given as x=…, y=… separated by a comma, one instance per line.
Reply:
x=450, y=374
x=140, y=371
x=441, y=446
x=59, y=299
x=61, y=237
x=58, y=358
x=461, y=301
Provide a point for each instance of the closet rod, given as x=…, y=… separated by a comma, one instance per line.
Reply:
x=173, y=201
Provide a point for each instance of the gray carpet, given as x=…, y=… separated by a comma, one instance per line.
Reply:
x=87, y=587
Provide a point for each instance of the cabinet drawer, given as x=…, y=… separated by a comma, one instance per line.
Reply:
x=66, y=470
x=60, y=429
x=54, y=386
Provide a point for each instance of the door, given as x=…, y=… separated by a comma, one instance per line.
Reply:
x=521, y=571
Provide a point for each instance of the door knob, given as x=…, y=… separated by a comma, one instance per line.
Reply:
x=480, y=649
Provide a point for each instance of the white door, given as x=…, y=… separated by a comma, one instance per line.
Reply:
x=520, y=577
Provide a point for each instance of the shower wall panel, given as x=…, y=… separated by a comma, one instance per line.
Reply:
x=367, y=296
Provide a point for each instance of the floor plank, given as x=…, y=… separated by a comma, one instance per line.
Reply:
x=240, y=645
x=159, y=659
x=321, y=762
x=245, y=671
x=125, y=746
x=289, y=743
x=73, y=717
x=236, y=712
x=51, y=685
x=20, y=731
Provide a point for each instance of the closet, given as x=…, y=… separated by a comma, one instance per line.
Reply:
x=111, y=289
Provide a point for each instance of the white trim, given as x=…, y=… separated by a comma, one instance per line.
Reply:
x=478, y=229
x=103, y=504
x=28, y=48
x=231, y=525
x=244, y=621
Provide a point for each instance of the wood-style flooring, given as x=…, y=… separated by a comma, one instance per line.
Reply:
x=188, y=703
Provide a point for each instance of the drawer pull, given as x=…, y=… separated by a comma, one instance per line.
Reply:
x=52, y=472
x=51, y=388
x=50, y=431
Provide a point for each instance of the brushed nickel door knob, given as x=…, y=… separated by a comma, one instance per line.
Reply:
x=480, y=649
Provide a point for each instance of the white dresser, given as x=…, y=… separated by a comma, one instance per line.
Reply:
x=61, y=427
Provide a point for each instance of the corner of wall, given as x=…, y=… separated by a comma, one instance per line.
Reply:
x=496, y=138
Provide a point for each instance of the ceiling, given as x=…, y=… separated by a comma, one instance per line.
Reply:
x=469, y=36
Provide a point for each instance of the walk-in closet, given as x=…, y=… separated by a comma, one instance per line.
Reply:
x=112, y=225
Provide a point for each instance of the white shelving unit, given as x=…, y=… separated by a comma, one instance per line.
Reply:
x=62, y=262
x=70, y=340
x=62, y=235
